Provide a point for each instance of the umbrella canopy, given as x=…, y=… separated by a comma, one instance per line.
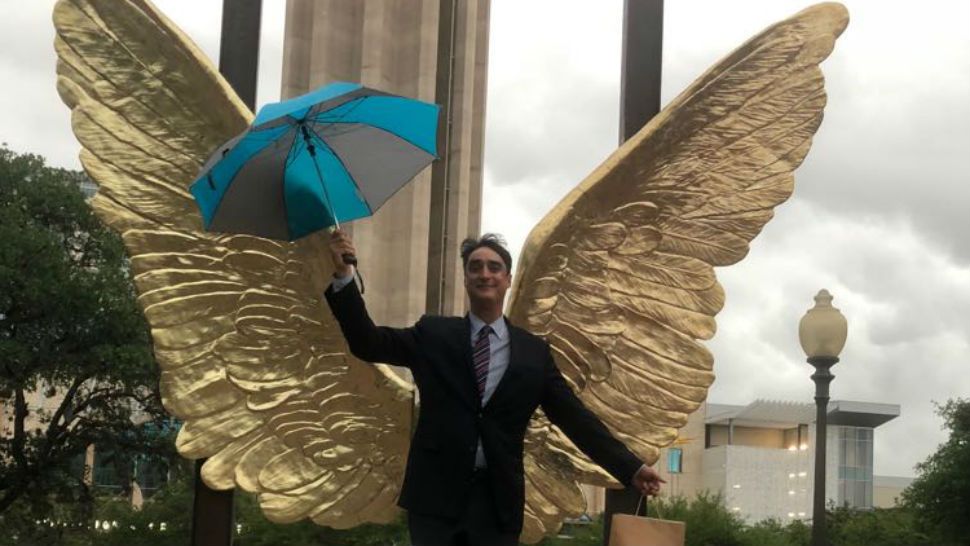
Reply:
x=333, y=155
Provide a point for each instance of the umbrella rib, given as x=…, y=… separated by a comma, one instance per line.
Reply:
x=350, y=175
x=333, y=211
x=290, y=159
x=356, y=104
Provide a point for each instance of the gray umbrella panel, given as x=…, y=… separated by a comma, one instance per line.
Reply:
x=254, y=202
x=355, y=145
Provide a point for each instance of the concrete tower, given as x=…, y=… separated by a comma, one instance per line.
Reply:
x=433, y=50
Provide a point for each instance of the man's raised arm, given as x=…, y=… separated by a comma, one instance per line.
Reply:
x=367, y=341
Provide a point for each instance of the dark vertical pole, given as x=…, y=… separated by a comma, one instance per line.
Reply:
x=212, y=513
x=239, y=47
x=822, y=377
x=212, y=510
x=441, y=169
x=640, y=71
x=639, y=101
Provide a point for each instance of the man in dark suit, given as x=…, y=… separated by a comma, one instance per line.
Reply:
x=480, y=380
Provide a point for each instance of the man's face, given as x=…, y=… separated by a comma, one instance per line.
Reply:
x=486, y=277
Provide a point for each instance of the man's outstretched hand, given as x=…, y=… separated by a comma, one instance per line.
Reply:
x=647, y=481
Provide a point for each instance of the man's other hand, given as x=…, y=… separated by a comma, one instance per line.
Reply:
x=647, y=481
x=341, y=244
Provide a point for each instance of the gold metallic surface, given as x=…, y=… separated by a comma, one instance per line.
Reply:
x=619, y=276
x=252, y=360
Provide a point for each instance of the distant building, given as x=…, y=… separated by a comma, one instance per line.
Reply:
x=761, y=458
x=142, y=476
x=886, y=490
x=88, y=187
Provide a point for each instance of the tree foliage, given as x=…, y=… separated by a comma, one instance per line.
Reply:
x=940, y=495
x=709, y=523
x=882, y=527
x=707, y=520
x=75, y=356
x=166, y=520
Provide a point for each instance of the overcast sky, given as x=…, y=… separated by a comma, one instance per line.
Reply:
x=878, y=216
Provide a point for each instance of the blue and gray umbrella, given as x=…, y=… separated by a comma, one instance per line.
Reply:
x=333, y=155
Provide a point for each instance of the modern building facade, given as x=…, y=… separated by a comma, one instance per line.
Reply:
x=140, y=477
x=887, y=490
x=760, y=458
x=433, y=50
x=88, y=187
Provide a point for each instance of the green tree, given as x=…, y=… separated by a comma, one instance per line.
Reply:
x=578, y=534
x=771, y=532
x=166, y=520
x=940, y=495
x=75, y=356
x=880, y=526
x=708, y=522
x=256, y=530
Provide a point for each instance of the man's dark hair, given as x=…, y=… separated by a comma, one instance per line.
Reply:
x=493, y=241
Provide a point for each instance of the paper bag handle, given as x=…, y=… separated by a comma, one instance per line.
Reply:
x=640, y=502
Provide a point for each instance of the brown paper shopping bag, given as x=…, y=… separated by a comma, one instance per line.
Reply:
x=627, y=530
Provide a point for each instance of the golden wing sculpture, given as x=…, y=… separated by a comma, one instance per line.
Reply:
x=251, y=361
x=619, y=276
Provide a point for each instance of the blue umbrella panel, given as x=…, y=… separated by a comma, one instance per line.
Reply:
x=330, y=156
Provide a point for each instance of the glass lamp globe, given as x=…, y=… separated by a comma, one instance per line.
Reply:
x=823, y=329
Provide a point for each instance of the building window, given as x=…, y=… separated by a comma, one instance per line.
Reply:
x=88, y=187
x=675, y=457
x=108, y=470
x=855, y=467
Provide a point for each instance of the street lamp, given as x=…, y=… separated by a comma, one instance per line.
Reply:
x=822, y=333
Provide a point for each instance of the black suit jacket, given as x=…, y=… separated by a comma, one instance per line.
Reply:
x=442, y=457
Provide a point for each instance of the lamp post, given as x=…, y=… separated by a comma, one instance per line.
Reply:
x=821, y=332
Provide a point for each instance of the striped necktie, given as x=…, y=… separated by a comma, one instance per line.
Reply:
x=480, y=358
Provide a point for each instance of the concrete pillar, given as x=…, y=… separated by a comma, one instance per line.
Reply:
x=393, y=45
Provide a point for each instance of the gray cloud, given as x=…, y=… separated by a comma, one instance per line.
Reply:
x=904, y=302
x=538, y=124
x=202, y=22
x=546, y=85
x=876, y=217
x=34, y=119
x=897, y=125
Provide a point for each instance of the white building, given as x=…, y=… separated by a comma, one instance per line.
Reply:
x=88, y=187
x=761, y=458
